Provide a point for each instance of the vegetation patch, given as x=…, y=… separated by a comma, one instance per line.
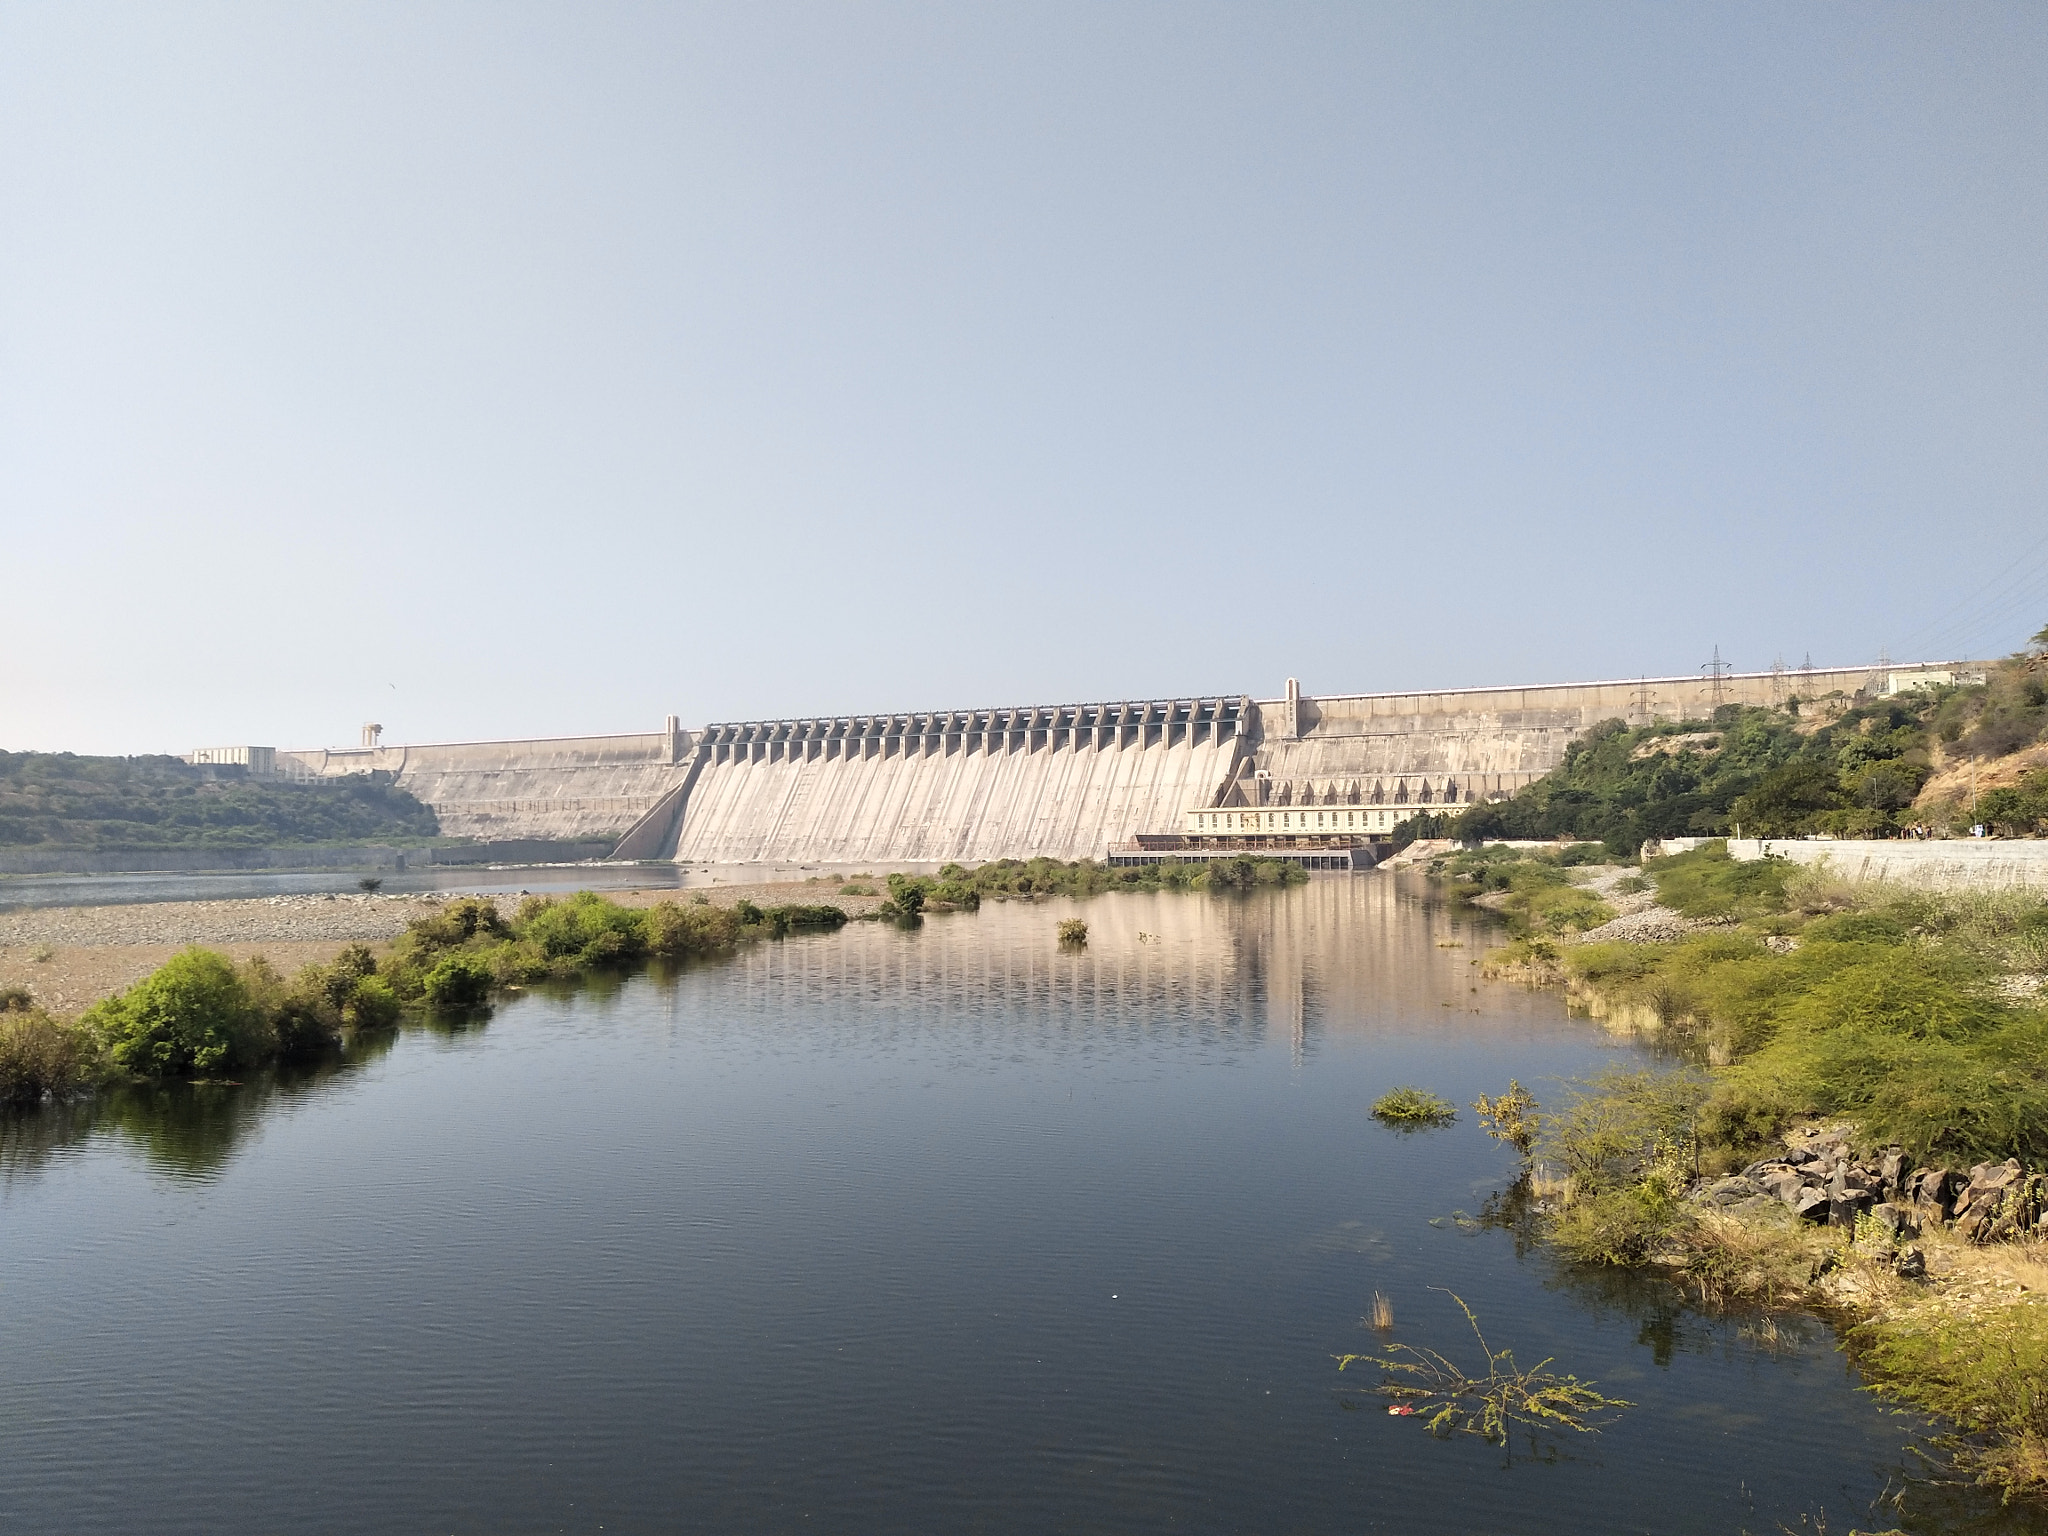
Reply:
x=1451, y=1401
x=127, y=804
x=1533, y=890
x=1849, y=767
x=1412, y=1109
x=43, y=1057
x=1985, y=1369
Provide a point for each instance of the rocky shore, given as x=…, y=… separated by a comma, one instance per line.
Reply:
x=1818, y=1179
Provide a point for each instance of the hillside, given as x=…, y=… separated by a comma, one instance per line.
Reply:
x=123, y=804
x=1850, y=767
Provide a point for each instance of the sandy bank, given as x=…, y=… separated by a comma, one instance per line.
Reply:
x=70, y=957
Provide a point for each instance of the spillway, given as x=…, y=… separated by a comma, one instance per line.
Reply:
x=1064, y=781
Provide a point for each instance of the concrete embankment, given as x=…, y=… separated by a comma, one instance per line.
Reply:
x=1946, y=864
x=579, y=789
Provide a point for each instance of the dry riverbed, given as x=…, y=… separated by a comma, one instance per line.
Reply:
x=71, y=957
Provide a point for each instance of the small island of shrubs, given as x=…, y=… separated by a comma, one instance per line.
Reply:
x=200, y=1015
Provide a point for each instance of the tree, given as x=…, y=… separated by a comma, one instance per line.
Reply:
x=191, y=1015
x=1789, y=799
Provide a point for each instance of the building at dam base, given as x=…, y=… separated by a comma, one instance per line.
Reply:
x=1064, y=781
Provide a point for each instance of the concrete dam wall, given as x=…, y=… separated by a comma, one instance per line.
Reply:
x=1064, y=781
x=569, y=789
x=1067, y=781
x=1447, y=749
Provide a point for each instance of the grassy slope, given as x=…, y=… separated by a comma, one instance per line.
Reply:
x=59, y=800
x=1852, y=767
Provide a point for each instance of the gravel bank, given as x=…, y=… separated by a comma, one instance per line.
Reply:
x=70, y=957
x=1639, y=919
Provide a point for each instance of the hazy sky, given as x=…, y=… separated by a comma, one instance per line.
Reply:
x=508, y=369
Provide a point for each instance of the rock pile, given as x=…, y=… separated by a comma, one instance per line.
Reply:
x=1818, y=1178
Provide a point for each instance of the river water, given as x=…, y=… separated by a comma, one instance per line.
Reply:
x=884, y=1230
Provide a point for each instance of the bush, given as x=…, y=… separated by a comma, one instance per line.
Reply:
x=1708, y=883
x=1245, y=872
x=371, y=1004
x=42, y=1057
x=460, y=921
x=907, y=893
x=191, y=1016
x=459, y=982
x=1073, y=932
x=1412, y=1109
x=1986, y=1369
x=1622, y=1226
x=782, y=920
x=584, y=933
x=675, y=932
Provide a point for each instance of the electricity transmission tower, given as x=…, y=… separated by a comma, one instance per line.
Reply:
x=1716, y=670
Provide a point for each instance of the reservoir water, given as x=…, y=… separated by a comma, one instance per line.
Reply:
x=940, y=1229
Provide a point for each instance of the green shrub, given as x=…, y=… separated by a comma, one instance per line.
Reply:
x=371, y=1004
x=582, y=933
x=1412, y=1109
x=958, y=894
x=1706, y=882
x=782, y=920
x=1622, y=1126
x=675, y=932
x=191, y=1016
x=1858, y=928
x=1985, y=1369
x=907, y=893
x=1246, y=872
x=1622, y=1226
x=42, y=1057
x=1073, y=932
x=459, y=982
x=458, y=922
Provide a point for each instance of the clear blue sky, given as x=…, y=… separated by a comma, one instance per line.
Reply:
x=507, y=369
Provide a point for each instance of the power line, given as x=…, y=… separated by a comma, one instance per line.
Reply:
x=1963, y=617
x=1998, y=615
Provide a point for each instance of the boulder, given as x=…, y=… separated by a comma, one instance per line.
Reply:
x=1896, y=1219
x=1810, y=1204
x=1933, y=1190
x=1910, y=1263
x=1783, y=1183
x=1730, y=1190
x=1893, y=1169
x=1843, y=1209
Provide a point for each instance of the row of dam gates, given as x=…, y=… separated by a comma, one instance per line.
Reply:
x=1065, y=781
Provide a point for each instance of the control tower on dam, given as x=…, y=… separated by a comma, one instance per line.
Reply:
x=1064, y=781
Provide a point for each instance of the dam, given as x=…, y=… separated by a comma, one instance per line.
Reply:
x=1067, y=781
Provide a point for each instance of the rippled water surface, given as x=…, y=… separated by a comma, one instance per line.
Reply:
x=938, y=1230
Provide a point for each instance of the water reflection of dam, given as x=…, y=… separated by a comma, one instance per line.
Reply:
x=1337, y=956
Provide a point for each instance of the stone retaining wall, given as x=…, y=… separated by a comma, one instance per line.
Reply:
x=1946, y=864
